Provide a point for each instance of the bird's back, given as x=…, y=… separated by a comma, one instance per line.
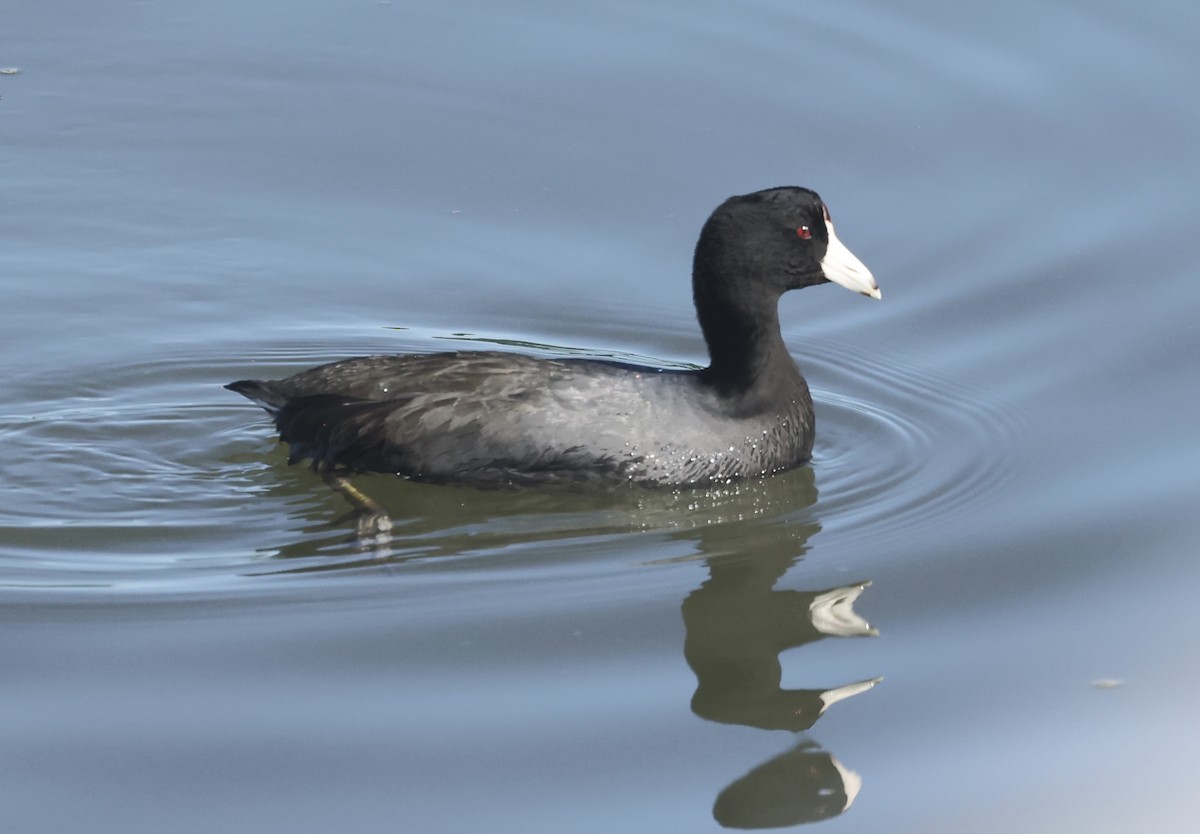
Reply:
x=497, y=418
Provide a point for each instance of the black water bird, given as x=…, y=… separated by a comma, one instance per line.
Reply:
x=492, y=418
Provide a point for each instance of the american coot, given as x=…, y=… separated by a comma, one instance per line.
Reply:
x=499, y=418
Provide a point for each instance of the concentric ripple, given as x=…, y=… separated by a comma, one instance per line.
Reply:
x=898, y=444
x=149, y=473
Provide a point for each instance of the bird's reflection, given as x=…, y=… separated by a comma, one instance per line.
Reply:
x=805, y=784
x=736, y=629
x=737, y=621
x=737, y=625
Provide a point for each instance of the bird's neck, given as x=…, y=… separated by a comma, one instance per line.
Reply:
x=746, y=350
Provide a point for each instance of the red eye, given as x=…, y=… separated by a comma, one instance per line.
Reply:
x=804, y=233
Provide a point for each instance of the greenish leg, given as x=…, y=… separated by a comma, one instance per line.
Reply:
x=373, y=520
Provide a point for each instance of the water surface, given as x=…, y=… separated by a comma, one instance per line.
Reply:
x=972, y=612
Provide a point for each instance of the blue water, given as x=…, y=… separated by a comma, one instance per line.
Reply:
x=991, y=559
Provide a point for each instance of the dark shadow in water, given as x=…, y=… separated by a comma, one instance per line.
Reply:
x=805, y=784
x=447, y=520
x=738, y=624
